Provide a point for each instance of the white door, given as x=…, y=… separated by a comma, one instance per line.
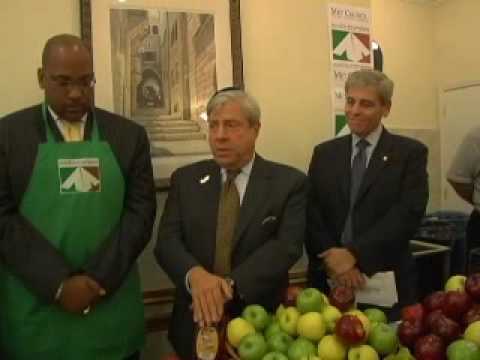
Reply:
x=460, y=111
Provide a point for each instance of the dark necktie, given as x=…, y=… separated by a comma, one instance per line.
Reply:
x=228, y=211
x=359, y=165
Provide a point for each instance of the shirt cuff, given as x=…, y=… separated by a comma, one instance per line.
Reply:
x=187, y=282
x=59, y=292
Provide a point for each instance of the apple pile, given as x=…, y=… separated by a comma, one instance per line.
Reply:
x=312, y=326
x=446, y=325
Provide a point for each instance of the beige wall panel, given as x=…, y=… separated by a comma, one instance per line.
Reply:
x=25, y=25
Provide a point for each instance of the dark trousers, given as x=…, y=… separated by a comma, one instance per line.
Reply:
x=473, y=231
x=473, y=238
x=135, y=356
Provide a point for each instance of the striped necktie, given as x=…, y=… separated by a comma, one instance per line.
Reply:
x=359, y=165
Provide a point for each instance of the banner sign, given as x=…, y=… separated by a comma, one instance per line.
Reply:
x=350, y=50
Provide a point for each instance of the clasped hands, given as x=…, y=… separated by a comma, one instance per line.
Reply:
x=209, y=295
x=340, y=266
x=80, y=293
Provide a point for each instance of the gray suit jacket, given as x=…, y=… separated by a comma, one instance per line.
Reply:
x=25, y=251
x=389, y=207
x=267, y=242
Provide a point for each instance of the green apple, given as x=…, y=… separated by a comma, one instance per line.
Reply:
x=472, y=332
x=257, y=316
x=362, y=352
x=383, y=338
x=238, y=328
x=456, y=283
x=463, y=350
x=331, y=314
x=279, y=342
x=375, y=315
x=403, y=354
x=272, y=328
x=252, y=347
x=310, y=299
x=299, y=348
x=288, y=320
x=311, y=326
x=331, y=348
x=273, y=355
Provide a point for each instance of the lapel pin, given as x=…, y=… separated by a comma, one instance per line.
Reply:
x=204, y=179
x=385, y=158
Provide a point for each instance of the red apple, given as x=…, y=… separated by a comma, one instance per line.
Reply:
x=350, y=330
x=342, y=297
x=430, y=347
x=471, y=315
x=290, y=295
x=432, y=318
x=414, y=312
x=472, y=286
x=456, y=304
x=447, y=329
x=434, y=301
x=409, y=331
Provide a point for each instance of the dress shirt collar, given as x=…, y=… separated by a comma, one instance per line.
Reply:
x=246, y=170
x=372, y=138
x=58, y=121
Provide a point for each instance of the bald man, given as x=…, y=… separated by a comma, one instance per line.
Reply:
x=77, y=206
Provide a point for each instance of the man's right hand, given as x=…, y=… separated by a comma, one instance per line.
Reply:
x=79, y=293
x=209, y=294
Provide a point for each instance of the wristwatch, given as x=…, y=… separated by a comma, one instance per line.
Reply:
x=231, y=283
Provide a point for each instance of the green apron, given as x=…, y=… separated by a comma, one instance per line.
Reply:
x=74, y=199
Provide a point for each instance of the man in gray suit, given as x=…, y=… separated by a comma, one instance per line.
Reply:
x=367, y=197
x=267, y=235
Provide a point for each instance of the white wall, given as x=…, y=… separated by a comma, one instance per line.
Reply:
x=286, y=66
x=25, y=25
x=456, y=44
x=405, y=32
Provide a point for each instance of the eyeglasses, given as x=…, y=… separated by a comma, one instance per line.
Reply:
x=68, y=84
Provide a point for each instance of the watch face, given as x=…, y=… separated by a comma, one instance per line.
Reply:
x=230, y=282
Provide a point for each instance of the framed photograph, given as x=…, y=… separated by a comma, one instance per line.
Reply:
x=158, y=62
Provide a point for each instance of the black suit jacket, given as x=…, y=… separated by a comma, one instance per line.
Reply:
x=267, y=242
x=25, y=251
x=389, y=207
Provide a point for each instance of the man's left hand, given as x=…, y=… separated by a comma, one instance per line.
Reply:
x=338, y=260
x=352, y=278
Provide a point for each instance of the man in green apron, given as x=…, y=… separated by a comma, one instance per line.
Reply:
x=77, y=206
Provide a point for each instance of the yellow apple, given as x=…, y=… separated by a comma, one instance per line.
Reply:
x=455, y=283
x=331, y=314
x=472, y=332
x=238, y=328
x=331, y=348
x=311, y=326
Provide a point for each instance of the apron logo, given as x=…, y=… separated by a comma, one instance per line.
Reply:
x=79, y=175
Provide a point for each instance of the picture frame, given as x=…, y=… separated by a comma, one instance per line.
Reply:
x=138, y=90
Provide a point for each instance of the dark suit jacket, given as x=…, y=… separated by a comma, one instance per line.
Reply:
x=267, y=242
x=25, y=251
x=390, y=205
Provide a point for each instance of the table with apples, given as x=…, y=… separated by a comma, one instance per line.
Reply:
x=311, y=325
